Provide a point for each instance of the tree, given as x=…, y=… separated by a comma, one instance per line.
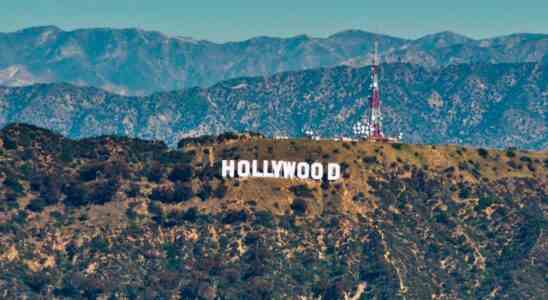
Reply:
x=181, y=173
x=37, y=205
x=299, y=206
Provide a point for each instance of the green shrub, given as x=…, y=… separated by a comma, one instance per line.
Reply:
x=13, y=183
x=205, y=192
x=9, y=143
x=526, y=159
x=67, y=153
x=232, y=217
x=183, y=193
x=483, y=153
x=220, y=192
x=302, y=191
x=98, y=244
x=397, y=146
x=90, y=172
x=190, y=215
x=103, y=192
x=264, y=218
x=133, y=191
x=181, y=173
x=162, y=194
x=299, y=206
x=154, y=172
x=9, y=202
x=37, y=205
x=370, y=159
x=484, y=202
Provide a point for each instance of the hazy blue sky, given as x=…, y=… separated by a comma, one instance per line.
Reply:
x=223, y=20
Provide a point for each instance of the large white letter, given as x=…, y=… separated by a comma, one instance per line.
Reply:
x=244, y=168
x=333, y=171
x=316, y=171
x=289, y=169
x=255, y=169
x=228, y=168
x=277, y=168
x=303, y=170
x=266, y=170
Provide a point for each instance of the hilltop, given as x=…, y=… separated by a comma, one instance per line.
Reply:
x=121, y=217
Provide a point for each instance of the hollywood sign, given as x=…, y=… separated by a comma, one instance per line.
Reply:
x=280, y=169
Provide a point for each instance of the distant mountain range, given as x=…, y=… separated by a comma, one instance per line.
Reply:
x=488, y=105
x=137, y=62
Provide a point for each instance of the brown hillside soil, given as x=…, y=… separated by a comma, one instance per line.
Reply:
x=122, y=218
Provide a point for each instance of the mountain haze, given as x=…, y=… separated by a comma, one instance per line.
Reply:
x=138, y=62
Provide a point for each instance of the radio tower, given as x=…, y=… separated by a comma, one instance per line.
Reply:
x=375, y=115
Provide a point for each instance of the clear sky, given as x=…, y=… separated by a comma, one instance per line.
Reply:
x=230, y=20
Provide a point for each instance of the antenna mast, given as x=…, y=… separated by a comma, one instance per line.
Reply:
x=375, y=115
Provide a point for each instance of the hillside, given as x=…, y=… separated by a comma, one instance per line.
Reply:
x=484, y=105
x=120, y=217
x=139, y=62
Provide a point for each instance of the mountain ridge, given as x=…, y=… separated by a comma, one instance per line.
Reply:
x=139, y=62
x=484, y=105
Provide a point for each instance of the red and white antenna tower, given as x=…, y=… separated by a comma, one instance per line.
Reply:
x=375, y=115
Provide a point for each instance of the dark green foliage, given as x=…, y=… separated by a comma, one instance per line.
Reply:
x=75, y=195
x=98, y=244
x=299, y=206
x=370, y=159
x=133, y=191
x=484, y=202
x=235, y=217
x=205, y=192
x=8, y=202
x=183, y=193
x=117, y=169
x=9, y=143
x=13, y=183
x=360, y=197
x=264, y=218
x=302, y=191
x=397, y=146
x=37, y=205
x=50, y=189
x=220, y=191
x=67, y=153
x=176, y=218
x=162, y=194
x=102, y=192
x=90, y=172
x=526, y=159
x=181, y=173
x=180, y=193
x=483, y=153
x=155, y=208
x=36, y=281
x=174, y=157
x=511, y=152
x=464, y=192
x=154, y=172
